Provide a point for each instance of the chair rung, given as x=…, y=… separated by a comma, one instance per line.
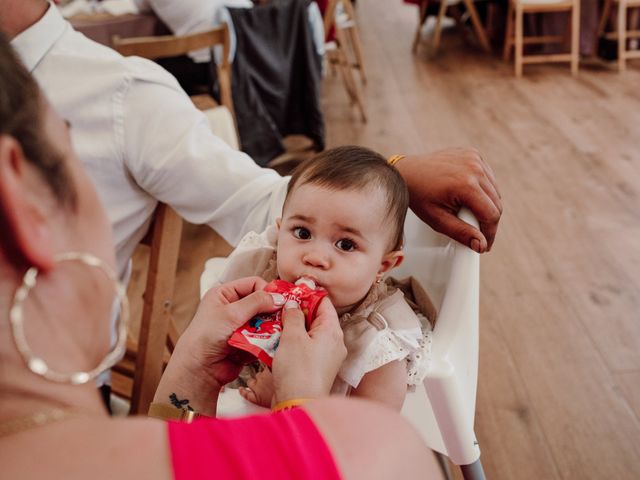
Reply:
x=556, y=7
x=632, y=54
x=628, y=34
x=121, y=385
x=558, y=57
x=543, y=39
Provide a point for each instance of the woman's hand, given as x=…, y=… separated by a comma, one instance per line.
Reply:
x=202, y=361
x=306, y=363
x=443, y=182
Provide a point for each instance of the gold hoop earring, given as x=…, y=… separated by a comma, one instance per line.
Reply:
x=36, y=364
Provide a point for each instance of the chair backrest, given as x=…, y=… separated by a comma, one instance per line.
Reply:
x=444, y=411
x=137, y=376
x=164, y=46
x=156, y=326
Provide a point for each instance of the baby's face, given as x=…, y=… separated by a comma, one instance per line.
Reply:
x=340, y=239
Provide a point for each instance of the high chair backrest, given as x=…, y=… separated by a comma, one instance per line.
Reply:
x=443, y=411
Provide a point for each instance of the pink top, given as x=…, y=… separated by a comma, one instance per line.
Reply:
x=284, y=445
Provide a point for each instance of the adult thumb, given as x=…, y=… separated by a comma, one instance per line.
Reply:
x=292, y=317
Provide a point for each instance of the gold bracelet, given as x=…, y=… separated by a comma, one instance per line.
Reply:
x=289, y=404
x=395, y=159
x=169, y=412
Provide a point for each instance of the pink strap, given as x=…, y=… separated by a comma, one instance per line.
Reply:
x=285, y=445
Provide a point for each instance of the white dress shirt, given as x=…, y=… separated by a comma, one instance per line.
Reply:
x=142, y=141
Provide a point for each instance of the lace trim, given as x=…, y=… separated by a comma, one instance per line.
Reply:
x=413, y=345
x=419, y=362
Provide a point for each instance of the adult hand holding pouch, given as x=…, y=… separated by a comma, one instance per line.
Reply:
x=260, y=336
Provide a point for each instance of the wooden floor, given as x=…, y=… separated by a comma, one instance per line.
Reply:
x=559, y=382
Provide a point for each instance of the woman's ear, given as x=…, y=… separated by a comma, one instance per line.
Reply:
x=26, y=236
x=390, y=260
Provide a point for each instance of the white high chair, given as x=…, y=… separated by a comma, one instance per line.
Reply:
x=443, y=412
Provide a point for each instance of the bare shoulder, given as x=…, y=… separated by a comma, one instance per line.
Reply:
x=89, y=448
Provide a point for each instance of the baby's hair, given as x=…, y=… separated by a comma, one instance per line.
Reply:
x=357, y=168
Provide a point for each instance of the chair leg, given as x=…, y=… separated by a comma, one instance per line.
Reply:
x=606, y=11
x=347, y=75
x=477, y=25
x=508, y=36
x=443, y=462
x=456, y=12
x=622, y=34
x=421, y=18
x=339, y=62
x=354, y=40
x=473, y=471
x=438, y=30
x=575, y=37
x=519, y=39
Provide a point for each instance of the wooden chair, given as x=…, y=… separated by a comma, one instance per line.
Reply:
x=337, y=58
x=515, y=15
x=622, y=33
x=165, y=46
x=478, y=28
x=137, y=375
x=346, y=21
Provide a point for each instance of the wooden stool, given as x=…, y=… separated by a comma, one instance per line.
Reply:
x=517, y=10
x=621, y=33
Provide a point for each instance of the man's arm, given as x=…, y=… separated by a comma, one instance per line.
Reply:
x=173, y=155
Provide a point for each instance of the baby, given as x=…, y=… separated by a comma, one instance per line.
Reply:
x=342, y=227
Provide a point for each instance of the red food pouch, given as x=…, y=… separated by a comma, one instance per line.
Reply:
x=260, y=336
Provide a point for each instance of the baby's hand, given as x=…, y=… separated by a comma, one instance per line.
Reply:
x=260, y=389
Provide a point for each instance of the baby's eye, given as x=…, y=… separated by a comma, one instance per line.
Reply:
x=346, y=245
x=301, y=233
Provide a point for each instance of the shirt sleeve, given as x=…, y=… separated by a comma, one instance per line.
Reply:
x=281, y=446
x=172, y=154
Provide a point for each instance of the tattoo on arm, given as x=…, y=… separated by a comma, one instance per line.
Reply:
x=181, y=404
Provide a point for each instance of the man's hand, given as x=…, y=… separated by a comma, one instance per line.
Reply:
x=442, y=182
